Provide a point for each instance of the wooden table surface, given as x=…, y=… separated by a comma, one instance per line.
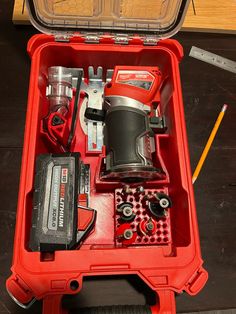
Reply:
x=205, y=89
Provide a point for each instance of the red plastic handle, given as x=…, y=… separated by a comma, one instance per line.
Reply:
x=52, y=304
x=165, y=304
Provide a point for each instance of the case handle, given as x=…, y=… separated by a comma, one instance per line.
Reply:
x=165, y=305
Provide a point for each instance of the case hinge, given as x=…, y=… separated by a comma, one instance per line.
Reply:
x=121, y=39
x=62, y=38
x=92, y=39
x=150, y=41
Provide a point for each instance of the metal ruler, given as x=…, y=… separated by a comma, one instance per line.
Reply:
x=213, y=59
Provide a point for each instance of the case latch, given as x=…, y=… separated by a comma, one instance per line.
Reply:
x=197, y=281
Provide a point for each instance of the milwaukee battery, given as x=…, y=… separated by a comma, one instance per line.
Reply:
x=54, y=221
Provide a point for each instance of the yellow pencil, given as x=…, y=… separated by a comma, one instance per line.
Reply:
x=209, y=143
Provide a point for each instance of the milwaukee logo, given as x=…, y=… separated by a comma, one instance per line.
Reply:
x=64, y=175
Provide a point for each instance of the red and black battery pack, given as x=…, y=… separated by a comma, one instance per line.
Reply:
x=54, y=222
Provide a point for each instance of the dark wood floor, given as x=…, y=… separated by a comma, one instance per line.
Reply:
x=205, y=89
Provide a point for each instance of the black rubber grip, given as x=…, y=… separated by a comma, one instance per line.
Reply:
x=123, y=126
x=118, y=309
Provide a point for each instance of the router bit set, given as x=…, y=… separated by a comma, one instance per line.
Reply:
x=105, y=183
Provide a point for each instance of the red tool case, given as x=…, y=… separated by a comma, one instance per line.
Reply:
x=172, y=263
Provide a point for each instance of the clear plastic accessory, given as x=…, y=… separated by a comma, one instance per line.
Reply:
x=59, y=89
